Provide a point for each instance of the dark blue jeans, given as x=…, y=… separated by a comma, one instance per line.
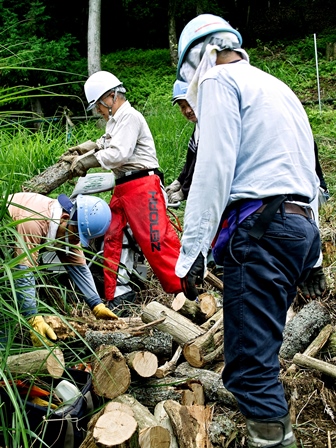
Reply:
x=260, y=281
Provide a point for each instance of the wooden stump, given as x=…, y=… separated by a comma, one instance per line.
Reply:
x=37, y=362
x=110, y=373
x=144, y=363
x=163, y=418
x=179, y=327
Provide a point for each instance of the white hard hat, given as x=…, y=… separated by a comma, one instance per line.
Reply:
x=98, y=84
x=199, y=27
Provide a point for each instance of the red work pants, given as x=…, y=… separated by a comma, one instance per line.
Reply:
x=141, y=204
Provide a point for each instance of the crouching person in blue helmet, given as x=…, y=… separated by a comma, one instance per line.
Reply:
x=256, y=152
x=59, y=224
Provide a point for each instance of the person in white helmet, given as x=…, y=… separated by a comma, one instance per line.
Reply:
x=56, y=223
x=178, y=190
x=256, y=153
x=138, y=200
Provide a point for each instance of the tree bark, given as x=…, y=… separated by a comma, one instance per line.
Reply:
x=163, y=418
x=214, y=281
x=155, y=341
x=37, y=362
x=303, y=329
x=94, y=28
x=179, y=327
x=169, y=366
x=110, y=374
x=317, y=344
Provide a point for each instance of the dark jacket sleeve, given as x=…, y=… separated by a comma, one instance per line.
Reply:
x=187, y=172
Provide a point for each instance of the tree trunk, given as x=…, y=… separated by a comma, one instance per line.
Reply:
x=179, y=327
x=110, y=374
x=94, y=27
x=172, y=32
x=37, y=362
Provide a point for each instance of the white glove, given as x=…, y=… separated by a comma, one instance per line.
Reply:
x=176, y=196
x=174, y=186
x=81, y=149
x=103, y=141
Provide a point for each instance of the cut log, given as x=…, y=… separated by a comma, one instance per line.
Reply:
x=317, y=344
x=110, y=407
x=312, y=363
x=116, y=429
x=303, y=329
x=151, y=433
x=212, y=320
x=50, y=361
x=190, y=424
x=144, y=363
x=169, y=367
x=194, y=394
x=50, y=179
x=208, y=304
x=212, y=384
x=199, y=311
x=155, y=341
x=207, y=347
x=179, y=327
x=163, y=418
x=110, y=373
x=214, y=281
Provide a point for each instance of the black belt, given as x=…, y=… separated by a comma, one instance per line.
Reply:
x=138, y=174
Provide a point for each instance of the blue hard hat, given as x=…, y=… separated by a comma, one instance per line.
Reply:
x=179, y=90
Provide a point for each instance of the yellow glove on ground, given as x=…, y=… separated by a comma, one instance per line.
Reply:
x=40, y=402
x=40, y=326
x=102, y=312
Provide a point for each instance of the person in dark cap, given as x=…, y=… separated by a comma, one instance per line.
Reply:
x=62, y=225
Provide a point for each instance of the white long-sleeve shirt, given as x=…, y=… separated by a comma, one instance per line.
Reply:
x=255, y=142
x=129, y=144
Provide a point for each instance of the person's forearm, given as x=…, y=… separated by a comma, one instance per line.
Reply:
x=82, y=277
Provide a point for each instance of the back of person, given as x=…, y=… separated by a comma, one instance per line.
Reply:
x=272, y=124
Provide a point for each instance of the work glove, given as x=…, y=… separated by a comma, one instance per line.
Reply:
x=175, y=196
x=315, y=284
x=103, y=141
x=81, y=164
x=174, y=186
x=81, y=149
x=102, y=312
x=194, y=277
x=40, y=326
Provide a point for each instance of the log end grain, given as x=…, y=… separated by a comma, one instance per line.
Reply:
x=114, y=428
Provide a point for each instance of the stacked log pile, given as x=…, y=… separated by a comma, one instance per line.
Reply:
x=166, y=398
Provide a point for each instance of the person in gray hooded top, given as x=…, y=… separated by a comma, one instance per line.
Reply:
x=256, y=141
